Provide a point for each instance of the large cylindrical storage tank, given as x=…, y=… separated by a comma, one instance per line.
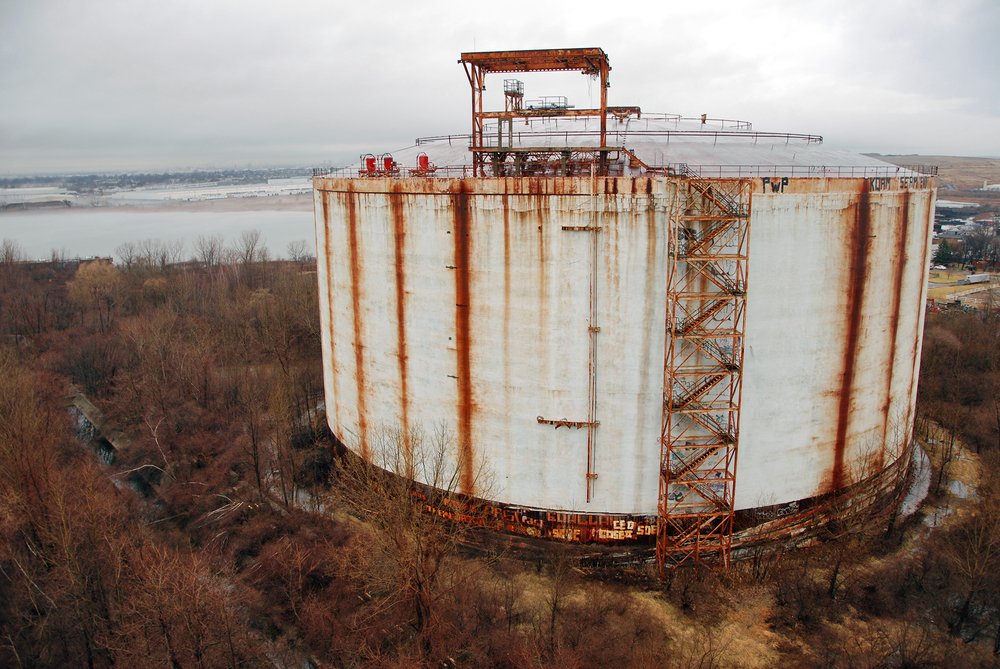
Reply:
x=623, y=327
x=490, y=306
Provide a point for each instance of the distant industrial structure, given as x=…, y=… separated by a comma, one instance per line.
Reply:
x=652, y=330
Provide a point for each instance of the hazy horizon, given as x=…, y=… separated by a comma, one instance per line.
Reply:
x=305, y=166
x=111, y=87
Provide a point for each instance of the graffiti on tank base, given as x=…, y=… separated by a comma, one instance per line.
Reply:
x=567, y=533
x=777, y=185
x=914, y=182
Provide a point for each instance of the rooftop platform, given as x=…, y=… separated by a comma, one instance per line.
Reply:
x=635, y=145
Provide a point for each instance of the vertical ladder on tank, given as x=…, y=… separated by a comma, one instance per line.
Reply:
x=702, y=370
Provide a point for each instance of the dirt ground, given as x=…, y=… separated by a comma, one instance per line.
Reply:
x=955, y=172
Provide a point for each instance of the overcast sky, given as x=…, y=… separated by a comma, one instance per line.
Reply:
x=165, y=84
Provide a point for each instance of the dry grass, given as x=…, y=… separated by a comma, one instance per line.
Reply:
x=751, y=642
x=964, y=173
x=946, y=276
x=948, y=293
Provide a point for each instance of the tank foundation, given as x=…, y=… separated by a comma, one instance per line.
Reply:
x=617, y=540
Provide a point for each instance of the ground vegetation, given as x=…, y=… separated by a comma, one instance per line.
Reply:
x=199, y=516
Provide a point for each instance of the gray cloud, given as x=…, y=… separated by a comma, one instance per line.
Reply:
x=136, y=84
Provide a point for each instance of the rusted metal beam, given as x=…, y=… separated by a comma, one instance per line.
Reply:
x=543, y=113
x=587, y=60
x=562, y=422
x=546, y=149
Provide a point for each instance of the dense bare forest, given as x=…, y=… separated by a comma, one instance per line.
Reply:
x=202, y=520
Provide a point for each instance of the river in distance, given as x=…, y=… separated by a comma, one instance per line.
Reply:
x=87, y=232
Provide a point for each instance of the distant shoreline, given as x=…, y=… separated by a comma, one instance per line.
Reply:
x=303, y=202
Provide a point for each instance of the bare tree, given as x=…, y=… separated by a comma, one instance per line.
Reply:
x=96, y=286
x=953, y=417
x=415, y=527
x=249, y=248
x=560, y=586
x=10, y=252
x=127, y=254
x=180, y=613
x=972, y=557
x=256, y=422
x=976, y=243
x=298, y=251
x=210, y=250
x=851, y=516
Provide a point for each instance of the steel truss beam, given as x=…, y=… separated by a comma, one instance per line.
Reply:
x=545, y=161
x=709, y=230
x=589, y=61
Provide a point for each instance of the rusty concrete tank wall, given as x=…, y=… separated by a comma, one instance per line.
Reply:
x=838, y=277
x=467, y=303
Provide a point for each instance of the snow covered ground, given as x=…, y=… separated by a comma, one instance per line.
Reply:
x=195, y=193
x=35, y=194
x=953, y=204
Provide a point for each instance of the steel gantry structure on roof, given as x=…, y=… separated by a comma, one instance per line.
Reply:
x=500, y=151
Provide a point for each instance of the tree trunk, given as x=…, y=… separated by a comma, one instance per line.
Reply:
x=963, y=613
x=832, y=590
x=423, y=614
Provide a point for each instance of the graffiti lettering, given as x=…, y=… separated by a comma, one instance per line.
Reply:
x=571, y=527
x=777, y=185
x=914, y=182
x=620, y=535
x=879, y=183
x=566, y=533
x=645, y=530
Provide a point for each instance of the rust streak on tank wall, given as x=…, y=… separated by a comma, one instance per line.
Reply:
x=539, y=203
x=328, y=251
x=354, y=261
x=924, y=260
x=507, y=376
x=399, y=253
x=859, y=247
x=902, y=235
x=463, y=338
x=506, y=274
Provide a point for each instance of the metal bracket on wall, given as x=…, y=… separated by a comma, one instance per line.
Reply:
x=562, y=422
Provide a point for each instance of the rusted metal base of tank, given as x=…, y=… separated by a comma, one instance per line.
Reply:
x=828, y=516
x=613, y=541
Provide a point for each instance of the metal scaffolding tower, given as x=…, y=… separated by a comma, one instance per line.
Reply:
x=492, y=141
x=702, y=370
